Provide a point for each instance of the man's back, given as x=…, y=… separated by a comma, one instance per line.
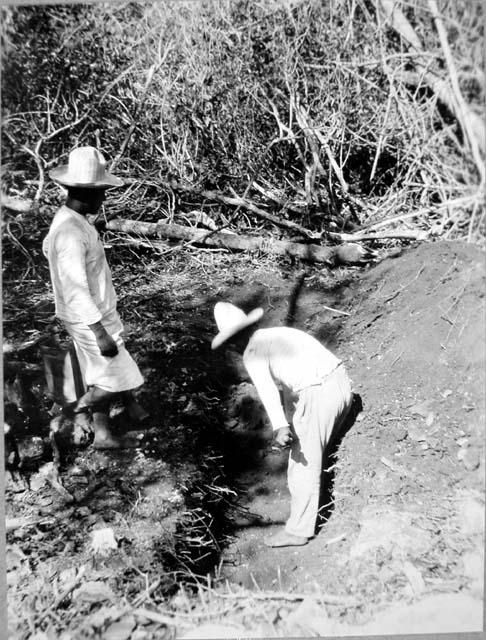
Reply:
x=291, y=356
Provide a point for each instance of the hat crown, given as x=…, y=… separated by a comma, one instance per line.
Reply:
x=228, y=316
x=86, y=165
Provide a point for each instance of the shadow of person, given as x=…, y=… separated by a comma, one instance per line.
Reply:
x=328, y=473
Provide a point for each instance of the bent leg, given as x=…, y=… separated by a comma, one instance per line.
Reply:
x=319, y=412
x=305, y=461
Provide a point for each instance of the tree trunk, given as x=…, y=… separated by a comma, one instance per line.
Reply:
x=310, y=252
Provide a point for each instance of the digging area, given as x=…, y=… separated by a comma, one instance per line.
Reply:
x=403, y=495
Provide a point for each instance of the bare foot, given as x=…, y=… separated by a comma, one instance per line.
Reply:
x=111, y=442
x=284, y=539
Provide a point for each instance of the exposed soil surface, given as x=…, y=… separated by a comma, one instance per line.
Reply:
x=403, y=495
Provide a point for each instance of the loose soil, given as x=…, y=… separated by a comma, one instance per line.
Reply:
x=401, y=548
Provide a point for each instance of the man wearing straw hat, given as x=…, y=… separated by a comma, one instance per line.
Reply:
x=85, y=299
x=315, y=388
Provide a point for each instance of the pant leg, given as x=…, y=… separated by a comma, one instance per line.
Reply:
x=116, y=374
x=318, y=410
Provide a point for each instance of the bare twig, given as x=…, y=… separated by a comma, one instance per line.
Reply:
x=63, y=596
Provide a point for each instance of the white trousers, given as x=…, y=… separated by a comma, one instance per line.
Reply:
x=319, y=412
x=120, y=373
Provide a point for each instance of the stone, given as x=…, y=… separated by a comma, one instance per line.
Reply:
x=120, y=630
x=444, y=613
x=390, y=530
x=471, y=459
x=470, y=514
x=473, y=562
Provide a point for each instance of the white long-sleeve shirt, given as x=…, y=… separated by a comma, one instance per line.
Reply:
x=80, y=275
x=289, y=357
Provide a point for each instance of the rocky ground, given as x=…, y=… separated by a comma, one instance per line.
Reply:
x=127, y=553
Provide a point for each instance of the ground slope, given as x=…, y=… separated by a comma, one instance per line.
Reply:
x=405, y=507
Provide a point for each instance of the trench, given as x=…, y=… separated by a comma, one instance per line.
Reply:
x=249, y=497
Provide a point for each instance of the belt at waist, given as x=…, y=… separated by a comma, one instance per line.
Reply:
x=320, y=380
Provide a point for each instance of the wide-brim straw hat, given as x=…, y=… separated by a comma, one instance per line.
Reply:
x=86, y=169
x=230, y=320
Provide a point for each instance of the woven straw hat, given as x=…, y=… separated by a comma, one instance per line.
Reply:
x=230, y=319
x=86, y=168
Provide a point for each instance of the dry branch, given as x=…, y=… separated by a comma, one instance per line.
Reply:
x=133, y=126
x=405, y=234
x=237, y=201
x=325, y=598
x=311, y=252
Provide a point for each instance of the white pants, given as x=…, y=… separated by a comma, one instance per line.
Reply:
x=319, y=412
x=120, y=373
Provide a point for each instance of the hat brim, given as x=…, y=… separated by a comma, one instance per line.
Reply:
x=61, y=175
x=222, y=336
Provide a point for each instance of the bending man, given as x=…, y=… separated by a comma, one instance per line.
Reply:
x=84, y=296
x=317, y=391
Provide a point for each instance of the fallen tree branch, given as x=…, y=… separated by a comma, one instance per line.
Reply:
x=325, y=598
x=391, y=235
x=311, y=252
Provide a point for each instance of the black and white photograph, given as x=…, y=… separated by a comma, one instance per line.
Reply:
x=243, y=319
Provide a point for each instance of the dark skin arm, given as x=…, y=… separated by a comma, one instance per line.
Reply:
x=105, y=342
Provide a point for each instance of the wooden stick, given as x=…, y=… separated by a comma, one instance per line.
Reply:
x=134, y=124
x=326, y=598
x=236, y=201
x=398, y=235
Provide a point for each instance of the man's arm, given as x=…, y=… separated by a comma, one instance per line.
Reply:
x=259, y=373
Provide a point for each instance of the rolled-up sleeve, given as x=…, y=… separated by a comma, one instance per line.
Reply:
x=69, y=257
x=259, y=372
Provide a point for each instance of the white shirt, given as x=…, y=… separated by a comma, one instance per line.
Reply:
x=80, y=275
x=289, y=357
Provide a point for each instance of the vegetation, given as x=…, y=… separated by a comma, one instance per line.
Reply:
x=321, y=112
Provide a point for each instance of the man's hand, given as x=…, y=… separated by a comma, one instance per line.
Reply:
x=283, y=437
x=105, y=342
